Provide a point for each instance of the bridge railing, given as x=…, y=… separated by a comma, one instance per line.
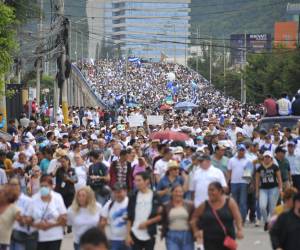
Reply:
x=77, y=71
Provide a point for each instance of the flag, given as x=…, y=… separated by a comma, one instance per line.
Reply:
x=135, y=60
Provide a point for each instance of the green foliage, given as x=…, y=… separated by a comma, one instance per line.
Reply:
x=270, y=73
x=273, y=74
x=24, y=9
x=46, y=81
x=7, y=39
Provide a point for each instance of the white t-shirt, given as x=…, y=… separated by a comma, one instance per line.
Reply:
x=29, y=151
x=81, y=172
x=142, y=212
x=39, y=210
x=53, y=164
x=83, y=220
x=284, y=106
x=3, y=177
x=237, y=167
x=23, y=204
x=201, y=181
x=160, y=167
x=117, y=225
x=18, y=164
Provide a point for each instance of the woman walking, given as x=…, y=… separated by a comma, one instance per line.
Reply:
x=268, y=186
x=215, y=219
x=65, y=180
x=84, y=213
x=9, y=213
x=176, y=215
x=48, y=215
x=170, y=179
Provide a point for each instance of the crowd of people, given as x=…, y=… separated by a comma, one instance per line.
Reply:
x=99, y=177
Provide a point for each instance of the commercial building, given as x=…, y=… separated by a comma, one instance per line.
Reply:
x=152, y=29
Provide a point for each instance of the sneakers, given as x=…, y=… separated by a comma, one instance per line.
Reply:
x=257, y=223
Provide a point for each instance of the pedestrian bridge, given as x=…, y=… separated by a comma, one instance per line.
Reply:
x=79, y=91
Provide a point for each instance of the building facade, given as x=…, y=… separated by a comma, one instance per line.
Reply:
x=152, y=29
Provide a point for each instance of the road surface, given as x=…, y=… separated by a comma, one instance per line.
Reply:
x=255, y=238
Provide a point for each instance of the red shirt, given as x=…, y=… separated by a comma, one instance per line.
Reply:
x=271, y=107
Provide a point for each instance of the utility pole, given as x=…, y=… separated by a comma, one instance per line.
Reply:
x=126, y=72
x=39, y=59
x=70, y=40
x=81, y=46
x=3, y=117
x=175, y=48
x=210, y=61
x=198, y=42
x=64, y=89
x=224, y=57
x=76, y=45
x=243, y=84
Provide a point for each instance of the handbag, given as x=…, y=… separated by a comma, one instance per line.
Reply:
x=19, y=236
x=229, y=242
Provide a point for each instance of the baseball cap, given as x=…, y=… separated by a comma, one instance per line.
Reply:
x=118, y=186
x=241, y=147
x=291, y=143
x=268, y=153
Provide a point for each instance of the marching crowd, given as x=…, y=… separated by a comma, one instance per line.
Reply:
x=197, y=178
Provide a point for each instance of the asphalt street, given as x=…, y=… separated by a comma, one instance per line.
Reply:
x=255, y=238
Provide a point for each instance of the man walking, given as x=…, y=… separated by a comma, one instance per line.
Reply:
x=239, y=186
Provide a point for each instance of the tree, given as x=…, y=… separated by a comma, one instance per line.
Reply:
x=8, y=44
x=24, y=9
x=273, y=73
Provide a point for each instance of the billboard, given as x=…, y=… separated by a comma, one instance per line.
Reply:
x=286, y=34
x=255, y=43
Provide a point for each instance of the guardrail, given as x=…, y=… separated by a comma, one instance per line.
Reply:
x=78, y=73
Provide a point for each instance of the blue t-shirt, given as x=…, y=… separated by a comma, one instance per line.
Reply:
x=44, y=165
x=166, y=183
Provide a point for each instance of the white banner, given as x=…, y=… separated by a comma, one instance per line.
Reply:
x=136, y=120
x=155, y=120
x=31, y=93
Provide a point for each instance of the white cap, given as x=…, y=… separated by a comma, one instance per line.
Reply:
x=268, y=153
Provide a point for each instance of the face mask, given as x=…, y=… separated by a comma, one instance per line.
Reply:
x=45, y=191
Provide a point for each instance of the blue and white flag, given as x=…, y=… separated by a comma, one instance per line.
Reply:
x=135, y=60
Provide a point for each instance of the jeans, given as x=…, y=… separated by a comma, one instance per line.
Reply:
x=29, y=244
x=118, y=245
x=17, y=245
x=258, y=213
x=179, y=240
x=268, y=199
x=76, y=246
x=239, y=193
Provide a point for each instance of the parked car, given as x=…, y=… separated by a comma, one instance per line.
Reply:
x=284, y=121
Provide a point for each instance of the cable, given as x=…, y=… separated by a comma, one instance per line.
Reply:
x=191, y=43
x=190, y=15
